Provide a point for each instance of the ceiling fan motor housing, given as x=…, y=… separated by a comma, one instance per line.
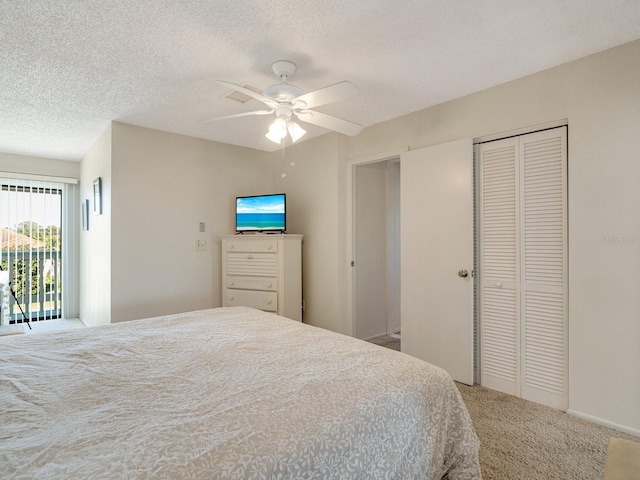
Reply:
x=282, y=92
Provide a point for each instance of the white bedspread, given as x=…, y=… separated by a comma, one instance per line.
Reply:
x=230, y=393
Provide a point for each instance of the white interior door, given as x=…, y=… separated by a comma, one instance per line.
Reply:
x=499, y=268
x=523, y=266
x=543, y=260
x=437, y=244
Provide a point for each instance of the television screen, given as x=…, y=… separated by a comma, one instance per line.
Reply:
x=261, y=213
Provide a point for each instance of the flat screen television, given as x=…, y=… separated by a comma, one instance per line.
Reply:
x=261, y=213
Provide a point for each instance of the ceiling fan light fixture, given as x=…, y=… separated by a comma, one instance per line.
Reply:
x=277, y=130
x=296, y=131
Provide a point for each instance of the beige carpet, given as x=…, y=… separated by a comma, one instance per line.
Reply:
x=525, y=440
x=521, y=440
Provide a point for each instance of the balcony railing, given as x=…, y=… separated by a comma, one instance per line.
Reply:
x=36, y=279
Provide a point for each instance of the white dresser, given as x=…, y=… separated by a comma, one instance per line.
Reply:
x=263, y=271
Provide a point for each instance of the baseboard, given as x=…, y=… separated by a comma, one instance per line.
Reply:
x=604, y=423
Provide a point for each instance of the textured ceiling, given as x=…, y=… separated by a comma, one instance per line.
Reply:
x=67, y=68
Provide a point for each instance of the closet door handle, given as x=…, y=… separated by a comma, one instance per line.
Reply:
x=463, y=273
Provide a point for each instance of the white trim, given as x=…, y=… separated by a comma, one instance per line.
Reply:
x=604, y=423
x=523, y=131
x=38, y=178
x=349, y=240
x=377, y=157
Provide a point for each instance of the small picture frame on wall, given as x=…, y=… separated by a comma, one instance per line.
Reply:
x=97, y=196
x=85, y=214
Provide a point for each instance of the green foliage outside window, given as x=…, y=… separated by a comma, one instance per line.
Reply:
x=47, y=239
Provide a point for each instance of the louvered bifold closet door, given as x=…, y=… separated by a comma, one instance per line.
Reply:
x=499, y=266
x=543, y=165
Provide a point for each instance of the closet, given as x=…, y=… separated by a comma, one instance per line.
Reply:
x=522, y=250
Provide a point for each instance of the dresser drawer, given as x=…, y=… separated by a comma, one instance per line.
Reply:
x=264, y=272
x=267, y=301
x=253, y=283
x=252, y=264
x=260, y=246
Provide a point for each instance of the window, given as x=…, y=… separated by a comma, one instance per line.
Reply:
x=31, y=215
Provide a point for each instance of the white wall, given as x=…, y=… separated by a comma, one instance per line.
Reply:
x=95, y=243
x=370, y=232
x=164, y=185
x=10, y=162
x=599, y=95
x=393, y=246
x=312, y=210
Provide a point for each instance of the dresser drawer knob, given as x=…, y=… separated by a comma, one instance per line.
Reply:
x=268, y=302
x=270, y=285
x=231, y=284
x=269, y=247
x=249, y=257
x=230, y=298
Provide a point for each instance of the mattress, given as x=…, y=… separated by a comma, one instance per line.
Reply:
x=229, y=393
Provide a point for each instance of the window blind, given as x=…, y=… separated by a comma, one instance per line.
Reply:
x=32, y=234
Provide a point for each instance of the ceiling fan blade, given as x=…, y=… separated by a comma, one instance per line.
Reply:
x=332, y=93
x=236, y=115
x=258, y=96
x=332, y=123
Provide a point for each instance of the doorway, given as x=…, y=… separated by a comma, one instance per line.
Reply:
x=31, y=221
x=376, y=248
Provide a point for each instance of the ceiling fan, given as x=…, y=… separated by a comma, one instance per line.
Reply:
x=288, y=102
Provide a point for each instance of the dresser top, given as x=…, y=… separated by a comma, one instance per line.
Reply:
x=262, y=236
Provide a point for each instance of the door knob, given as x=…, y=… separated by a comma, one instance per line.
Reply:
x=463, y=273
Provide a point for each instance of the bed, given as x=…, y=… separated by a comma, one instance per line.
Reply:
x=228, y=393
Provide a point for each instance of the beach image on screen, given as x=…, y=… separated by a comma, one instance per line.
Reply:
x=260, y=213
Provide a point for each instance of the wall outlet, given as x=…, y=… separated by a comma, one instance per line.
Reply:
x=201, y=245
